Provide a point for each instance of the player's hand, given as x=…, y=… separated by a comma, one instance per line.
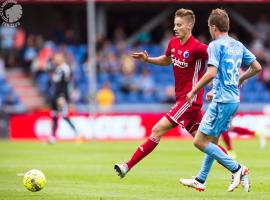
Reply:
x=142, y=56
x=241, y=83
x=190, y=97
x=209, y=96
x=61, y=102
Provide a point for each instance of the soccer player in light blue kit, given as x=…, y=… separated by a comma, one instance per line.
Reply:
x=225, y=56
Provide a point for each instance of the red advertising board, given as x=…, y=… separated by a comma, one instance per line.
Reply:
x=113, y=126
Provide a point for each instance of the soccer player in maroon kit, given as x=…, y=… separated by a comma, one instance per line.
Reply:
x=188, y=57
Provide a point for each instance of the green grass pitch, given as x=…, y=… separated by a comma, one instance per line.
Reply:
x=85, y=171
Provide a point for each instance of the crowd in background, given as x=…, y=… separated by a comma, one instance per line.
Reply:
x=120, y=79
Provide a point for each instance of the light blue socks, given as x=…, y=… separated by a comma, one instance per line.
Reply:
x=215, y=152
x=205, y=168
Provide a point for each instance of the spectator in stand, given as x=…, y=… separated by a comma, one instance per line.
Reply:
x=113, y=63
x=99, y=41
x=103, y=66
x=70, y=37
x=121, y=48
x=119, y=34
x=19, y=42
x=166, y=38
x=40, y=64
x=19, y=38
x=262, y=27
x=10, y=100
x=39, y=42
x=105, y=97
x=258, y=48
x=30, y=53
x=265, y=75
x=58, y=32
x=147, y=85
x=107, y=48
x=7, y=36
x=128, y=82
x=2, y=67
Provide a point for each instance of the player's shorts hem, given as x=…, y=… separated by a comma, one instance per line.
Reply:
x=207, y=132
x=194, y=127
x=174, y=123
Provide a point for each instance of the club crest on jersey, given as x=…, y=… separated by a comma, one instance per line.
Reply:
x=186, y=54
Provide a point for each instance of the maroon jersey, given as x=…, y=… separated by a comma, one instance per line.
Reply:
x=188, y=62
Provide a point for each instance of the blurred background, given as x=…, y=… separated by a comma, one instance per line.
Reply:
x=112, y=95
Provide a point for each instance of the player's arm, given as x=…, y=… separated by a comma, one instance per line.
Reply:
x=253, y=69
x=144, y=57
x=207, y=78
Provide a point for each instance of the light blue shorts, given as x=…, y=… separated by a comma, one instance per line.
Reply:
x=217, y=118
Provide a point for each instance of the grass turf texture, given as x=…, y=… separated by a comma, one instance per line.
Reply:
x=85, y=171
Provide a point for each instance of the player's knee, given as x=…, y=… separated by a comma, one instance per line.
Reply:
x=157, y=131
x=197, y=143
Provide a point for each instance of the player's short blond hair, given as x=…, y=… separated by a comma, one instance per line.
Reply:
x=188, y=14
x=220, y=19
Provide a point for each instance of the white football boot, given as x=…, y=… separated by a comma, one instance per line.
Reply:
x=236, y=178
x=261, y=135
x=245, y=183
x=193, y=183
x=51, y=139
x=121, y=169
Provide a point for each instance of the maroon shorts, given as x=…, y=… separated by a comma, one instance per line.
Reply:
x=188, y=116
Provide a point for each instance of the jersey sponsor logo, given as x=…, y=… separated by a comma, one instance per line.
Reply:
x=186, y=54
x=178, y=63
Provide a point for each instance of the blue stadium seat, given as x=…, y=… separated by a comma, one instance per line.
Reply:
x=5, y=89
x=132, y=97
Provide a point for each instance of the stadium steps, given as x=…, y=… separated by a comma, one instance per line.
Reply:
x=25, y=89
